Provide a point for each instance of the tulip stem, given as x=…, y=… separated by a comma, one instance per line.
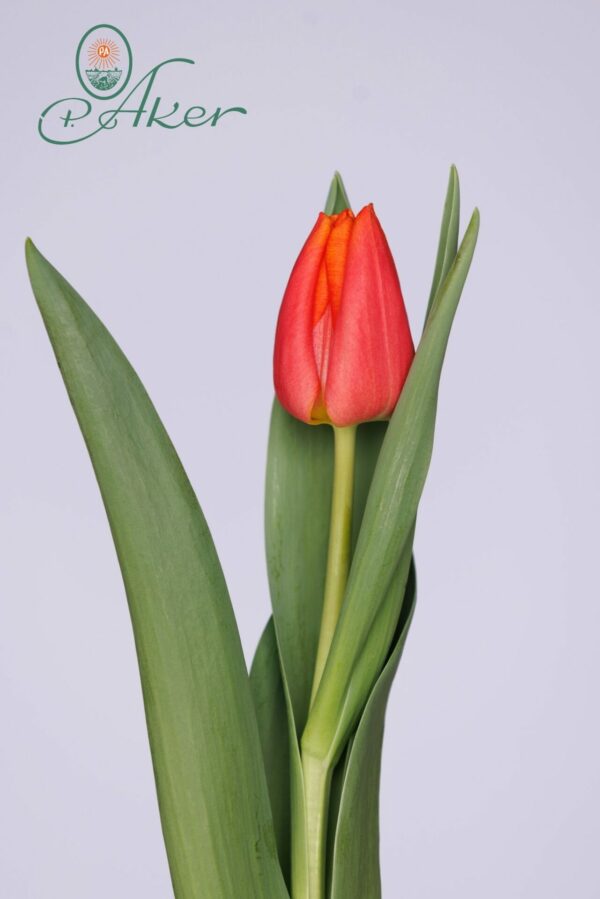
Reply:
x=340, y=537
x=317, y=772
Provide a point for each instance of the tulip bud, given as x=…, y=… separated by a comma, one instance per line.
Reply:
x=343, y=346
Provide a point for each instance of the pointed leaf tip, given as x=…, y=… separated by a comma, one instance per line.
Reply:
x=448, y=240
x=337, y=198
x=31, y=251
x=199, y=709
x=36, y=261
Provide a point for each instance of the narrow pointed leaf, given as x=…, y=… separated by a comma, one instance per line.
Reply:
x=280, y=742
x=371, y=658
x=299, y=849
x=388, y=519
x=448, y=242
x=271, y=714
x=355, y=861
x=204, y=739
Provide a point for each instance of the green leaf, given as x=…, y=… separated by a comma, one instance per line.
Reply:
x=204, y=738
x=297, y=512
x=337, y=198
x=281, y=752
x=372, y=656
x=355, y=858
x=297, y=509
x=448, y=242
x=335, y=797
x=299, y=853
x=387, y=524
x=369, y=438
x=271, y=713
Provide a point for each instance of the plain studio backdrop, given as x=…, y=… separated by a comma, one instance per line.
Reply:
x=182, y=241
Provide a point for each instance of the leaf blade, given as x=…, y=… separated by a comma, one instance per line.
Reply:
x=297, y=515
x=355, y=858
x=389, y=517
x=203, y=734
x=297, y=509
x=271, y=712
x=297, y=512
x=448, y=241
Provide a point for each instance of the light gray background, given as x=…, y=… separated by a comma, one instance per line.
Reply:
x=182, y=242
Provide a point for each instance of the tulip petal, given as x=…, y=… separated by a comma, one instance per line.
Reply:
x=372, y=348
x=329, y=293
x=334, y=262
x=294, y=366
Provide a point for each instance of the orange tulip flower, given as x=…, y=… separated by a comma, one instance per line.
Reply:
x=343, y=346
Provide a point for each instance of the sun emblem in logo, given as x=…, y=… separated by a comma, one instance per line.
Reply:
x=103, y=53
x=103, y=56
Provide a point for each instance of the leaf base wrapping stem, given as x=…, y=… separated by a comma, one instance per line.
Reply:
x=317, y=786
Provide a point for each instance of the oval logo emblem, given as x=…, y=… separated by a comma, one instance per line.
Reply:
x=103, y=61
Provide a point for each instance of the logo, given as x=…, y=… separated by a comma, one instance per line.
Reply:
x=104, y=67
x=104, y=62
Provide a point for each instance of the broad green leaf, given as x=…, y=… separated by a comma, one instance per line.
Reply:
x=206, y=752
x=448, y=242
x=387, y=522
x=337, y=198
x=355, y=858
x=271, y=714
x=369, y=438
x=297, y=509
x=297, y=512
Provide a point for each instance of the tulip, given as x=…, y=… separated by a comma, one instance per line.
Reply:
x=343, y=350
x=343, y=346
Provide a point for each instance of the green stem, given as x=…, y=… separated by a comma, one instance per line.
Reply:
x=317, y=772
x=340, y=536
